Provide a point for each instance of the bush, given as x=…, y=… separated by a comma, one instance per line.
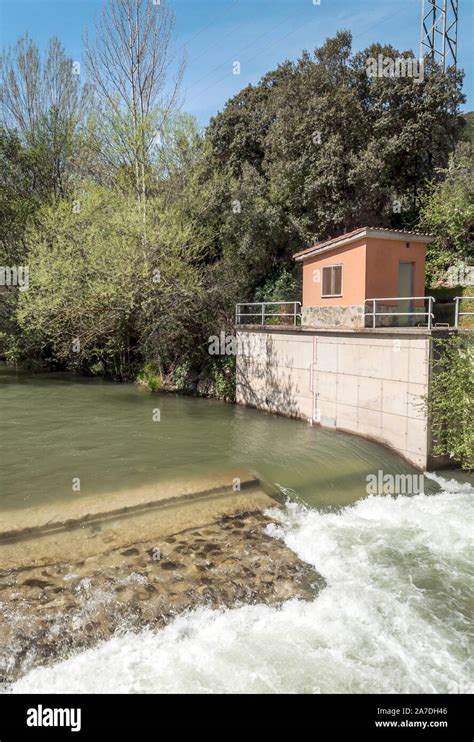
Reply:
x=451, y=399
x=149, y=376
x=282, y=287
x=448, y=212
x=223, y=375
x=180, y=376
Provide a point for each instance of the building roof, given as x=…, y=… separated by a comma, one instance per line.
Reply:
x=356, y=234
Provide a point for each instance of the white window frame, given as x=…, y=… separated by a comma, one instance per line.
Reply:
x=332, y=296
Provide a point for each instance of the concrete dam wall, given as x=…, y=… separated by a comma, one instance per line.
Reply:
x=369, y=382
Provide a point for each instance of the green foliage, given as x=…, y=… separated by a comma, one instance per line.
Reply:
x=85, y=275
x=223, y=375
x=105, y=289
x=448, y=212
x=21, y=194
x=282, y=287
x=447, y=293
x=180, y=375
x=149, y=376
x=44, y=103
x=469, y=130
x=451, y=399
x=318, y=148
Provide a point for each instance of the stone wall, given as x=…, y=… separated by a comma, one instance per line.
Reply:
x=372, y=383
x=353, y=317
x=350, y=316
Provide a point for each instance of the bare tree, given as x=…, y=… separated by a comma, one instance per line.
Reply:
x=129, y=63
x=43, y=101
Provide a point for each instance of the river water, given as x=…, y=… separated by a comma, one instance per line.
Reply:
x=55, y=428
x=394, y=615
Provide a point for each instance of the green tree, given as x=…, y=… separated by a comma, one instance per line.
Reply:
x=318, y=148
x=22, y=191
x=448, y=212
x=42, y=99
x=80, y=308
x=128, y=62
x=96, y=302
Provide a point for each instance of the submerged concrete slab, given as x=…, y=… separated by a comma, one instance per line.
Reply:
x=84, y=511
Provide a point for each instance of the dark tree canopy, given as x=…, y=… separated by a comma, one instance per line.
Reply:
x=318, y=148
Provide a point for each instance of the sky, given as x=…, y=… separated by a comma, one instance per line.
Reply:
x=259, y=34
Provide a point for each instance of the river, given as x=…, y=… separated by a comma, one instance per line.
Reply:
x=394, y=614
x=56, y=427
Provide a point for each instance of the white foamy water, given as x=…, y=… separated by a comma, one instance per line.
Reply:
x=394, y=616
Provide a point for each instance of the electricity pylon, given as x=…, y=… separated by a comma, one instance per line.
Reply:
x=439, y=31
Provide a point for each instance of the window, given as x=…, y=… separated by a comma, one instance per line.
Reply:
x=332, y=280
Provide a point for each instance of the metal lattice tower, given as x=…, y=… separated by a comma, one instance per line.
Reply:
x=439, y=31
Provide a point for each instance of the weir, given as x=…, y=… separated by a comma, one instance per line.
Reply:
x=372, y=382
x=90, y=525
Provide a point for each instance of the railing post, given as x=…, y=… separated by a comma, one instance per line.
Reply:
x=263, y=314
x=294, y=314
x=430, y=304
x=237, y=313
x=456, y=311
x=373, y=315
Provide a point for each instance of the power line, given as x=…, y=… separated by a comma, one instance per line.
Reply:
x=383, y=20
x=230, y=59
x=204, y=28
x=387, y=18
x=251, y=59
x=229, y=33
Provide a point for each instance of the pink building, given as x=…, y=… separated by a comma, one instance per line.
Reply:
x=341, y=274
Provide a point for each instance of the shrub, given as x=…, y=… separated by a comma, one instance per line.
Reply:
x=283, y=286
x=223, y=375
x=451, y=399
x=180, y=375
x=149, y=376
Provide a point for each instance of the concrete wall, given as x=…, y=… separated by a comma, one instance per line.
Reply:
x=371, y=383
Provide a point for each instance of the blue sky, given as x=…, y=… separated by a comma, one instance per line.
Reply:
x=257, y=33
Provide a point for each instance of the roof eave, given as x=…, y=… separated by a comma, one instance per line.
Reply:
x=319, y=250
x=370, y=233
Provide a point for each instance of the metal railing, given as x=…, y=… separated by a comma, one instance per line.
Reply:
x=457, y=313
x=261, y=315
x=429, y=314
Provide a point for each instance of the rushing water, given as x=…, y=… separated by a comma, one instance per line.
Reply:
x=394, y=614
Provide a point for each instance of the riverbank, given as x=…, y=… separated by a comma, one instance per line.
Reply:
x=53, y=608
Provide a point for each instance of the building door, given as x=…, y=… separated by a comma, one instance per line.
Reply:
x=405, y=289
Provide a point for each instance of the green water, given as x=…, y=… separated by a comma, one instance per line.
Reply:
x=56, y=427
